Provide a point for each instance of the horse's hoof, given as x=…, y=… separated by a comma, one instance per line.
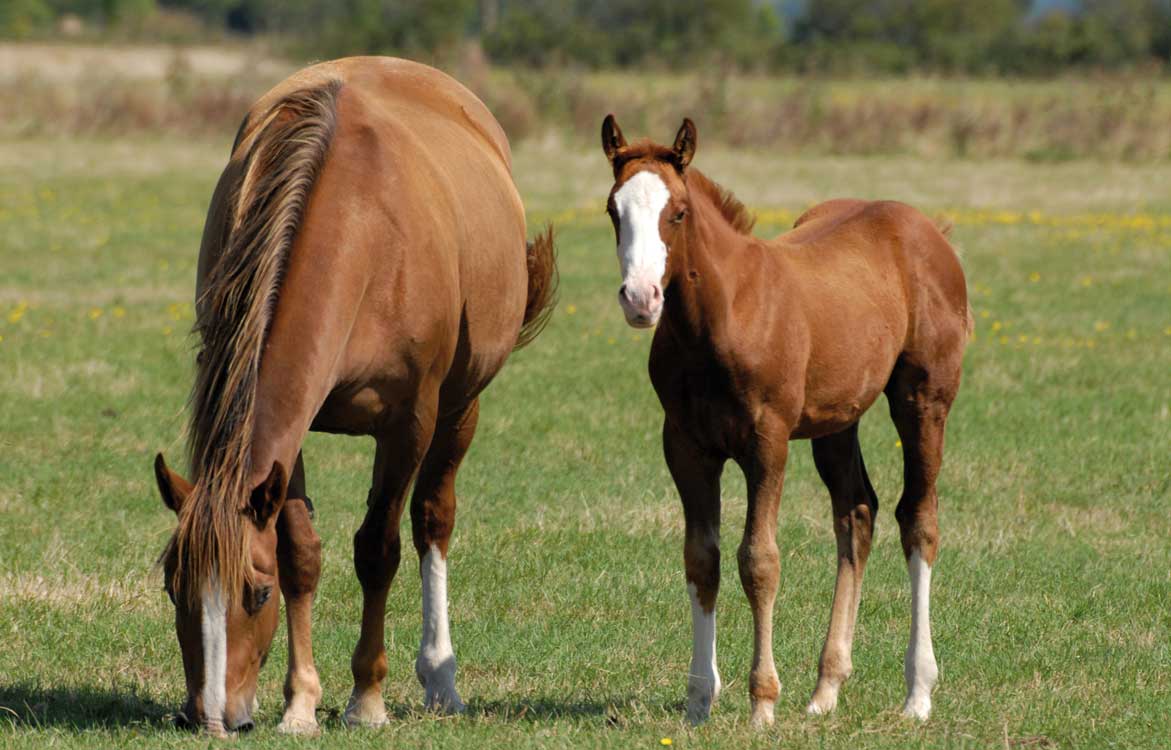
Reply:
x=367, y=712
x=299, y=727
x=444, y=701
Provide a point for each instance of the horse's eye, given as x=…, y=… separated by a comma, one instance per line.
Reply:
x=678, y=218
x=260, y=596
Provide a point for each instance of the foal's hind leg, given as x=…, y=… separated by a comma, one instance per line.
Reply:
x=299, y=560
x=919, y=402
x=377, y=550
x=697, y=477
x=839, y=462
x=432, y=521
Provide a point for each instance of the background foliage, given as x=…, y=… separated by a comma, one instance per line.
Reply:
x=835, y=36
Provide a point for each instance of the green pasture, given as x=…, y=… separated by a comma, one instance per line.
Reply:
x=1052, y=598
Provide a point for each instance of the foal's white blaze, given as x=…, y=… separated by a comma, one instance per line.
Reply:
x=435, y=666
x=703, y=680
x=214, y=626
x=642, y=256
x=919, y=668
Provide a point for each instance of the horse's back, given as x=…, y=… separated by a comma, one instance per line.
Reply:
x=407, y=274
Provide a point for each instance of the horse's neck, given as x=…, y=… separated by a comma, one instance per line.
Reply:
x=703, y=281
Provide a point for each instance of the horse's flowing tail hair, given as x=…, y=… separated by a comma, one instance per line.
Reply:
x=541, y=259
x=284, y=149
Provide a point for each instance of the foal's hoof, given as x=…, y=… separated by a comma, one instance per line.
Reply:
x=366, y=711
x=822, y=703
x=917, y=707
x=702, y=693
x=299, y=727
x=762, y=715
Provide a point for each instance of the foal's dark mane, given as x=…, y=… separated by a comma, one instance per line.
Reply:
x=285, y=148
x=734, y=212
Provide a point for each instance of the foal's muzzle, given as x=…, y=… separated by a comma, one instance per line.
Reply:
x=642, y=304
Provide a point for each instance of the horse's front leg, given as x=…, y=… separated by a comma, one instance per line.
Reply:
x=760, y=563
x=299, y=560
x=697, y=476
x=432, y=521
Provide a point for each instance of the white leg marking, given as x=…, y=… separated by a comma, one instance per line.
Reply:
x=435, y=666
x=919, y=668
x=214, y=627
x=703, y=679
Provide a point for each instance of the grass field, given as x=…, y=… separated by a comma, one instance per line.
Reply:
x=570, y=618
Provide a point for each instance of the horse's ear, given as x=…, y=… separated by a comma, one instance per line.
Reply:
x=267, y=499
x=173, y=488
x=612, y=138
x=685, y=141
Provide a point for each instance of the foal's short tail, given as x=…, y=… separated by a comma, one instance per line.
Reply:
x=541, y=259
x=945, y=225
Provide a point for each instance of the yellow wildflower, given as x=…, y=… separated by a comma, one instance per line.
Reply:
x=95, y=313
x=571, y=309
x=666, y=741
x=1101, y=325
x=1034, y=277
x=119, y=312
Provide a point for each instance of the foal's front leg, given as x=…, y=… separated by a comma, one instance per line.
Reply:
x=760, y=565
x=697, y=476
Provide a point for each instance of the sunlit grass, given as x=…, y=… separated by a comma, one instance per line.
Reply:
x=569, y=610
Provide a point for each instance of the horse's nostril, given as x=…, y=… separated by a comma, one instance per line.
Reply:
x=657, y=293
x=246, y=726
x=622, y=292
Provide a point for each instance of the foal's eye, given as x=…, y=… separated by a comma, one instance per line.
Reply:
x=678, y=218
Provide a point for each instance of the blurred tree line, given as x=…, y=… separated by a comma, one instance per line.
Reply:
x=833, y=36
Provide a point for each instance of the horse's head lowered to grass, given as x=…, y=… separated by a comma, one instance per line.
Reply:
x=224, y=631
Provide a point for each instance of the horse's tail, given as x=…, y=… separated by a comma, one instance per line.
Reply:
x=283, y=149
x=541, y=259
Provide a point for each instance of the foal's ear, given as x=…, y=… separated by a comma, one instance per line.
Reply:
x=685, y=141
x=612, y=138
x=267, y=499
x=172, y=487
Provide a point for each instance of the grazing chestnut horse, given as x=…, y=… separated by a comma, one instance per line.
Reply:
x=762, y=342
x=363, y=271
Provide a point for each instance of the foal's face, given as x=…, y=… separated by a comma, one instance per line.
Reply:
x=648, y=207
x=224, y=640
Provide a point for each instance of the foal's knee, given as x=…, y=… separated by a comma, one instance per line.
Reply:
x=919, y=526
x=760, y=567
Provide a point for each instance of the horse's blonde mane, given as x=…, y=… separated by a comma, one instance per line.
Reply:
x=285, y=150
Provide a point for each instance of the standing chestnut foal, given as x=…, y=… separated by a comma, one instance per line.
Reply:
x=363, y=271
x=762, y=342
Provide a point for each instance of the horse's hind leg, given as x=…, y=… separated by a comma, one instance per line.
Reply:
x=299, y=561
x=920, y=398
x=432, y=521
x=839, y=462
x=377, y=551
